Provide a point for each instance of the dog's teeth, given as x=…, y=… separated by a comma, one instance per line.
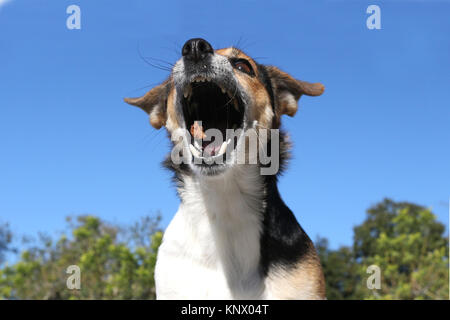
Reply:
x=223, y=147
x=201, y=79
x=196, y=145
x=194, y=151
x=223, y=90
x=186, y=92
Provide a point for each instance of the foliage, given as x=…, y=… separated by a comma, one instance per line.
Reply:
x=413, y=257
x=403, y=239
x=115, y=263
x=340, y=270
x=5, y=241
x=408, y=245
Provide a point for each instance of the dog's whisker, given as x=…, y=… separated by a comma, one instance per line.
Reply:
x=161, y=61
x=164, y=68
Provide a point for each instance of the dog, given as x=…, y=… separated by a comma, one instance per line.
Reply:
x=232, y=237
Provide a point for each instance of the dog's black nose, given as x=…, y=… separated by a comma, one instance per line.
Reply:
x=196, y=49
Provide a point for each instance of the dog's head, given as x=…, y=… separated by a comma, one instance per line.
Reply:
x=224, y=90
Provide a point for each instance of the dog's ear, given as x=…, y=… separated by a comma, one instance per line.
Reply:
x=154, y=103
x=287, y=90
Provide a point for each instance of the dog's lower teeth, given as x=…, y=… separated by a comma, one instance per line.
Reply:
x=223, y=90
x=194, y=151
x=199, y=79
x=197, y=146
x=224, y=146
x=187, y=91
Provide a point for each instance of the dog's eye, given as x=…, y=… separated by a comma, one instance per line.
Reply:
x=243, y=66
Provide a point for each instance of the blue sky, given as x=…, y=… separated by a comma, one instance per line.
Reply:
x=69, y=145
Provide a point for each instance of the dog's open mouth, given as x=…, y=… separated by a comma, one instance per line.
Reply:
x=207, y=105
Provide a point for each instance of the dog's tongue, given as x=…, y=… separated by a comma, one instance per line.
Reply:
x=211, y=148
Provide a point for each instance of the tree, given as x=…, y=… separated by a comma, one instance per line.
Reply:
x=405, y=241
x=112, y=265
x=5, y=241
x=340, y=270
x=412, y=256
x=379, y=219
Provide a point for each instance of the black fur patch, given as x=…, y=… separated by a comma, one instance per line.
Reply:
x=283, y=241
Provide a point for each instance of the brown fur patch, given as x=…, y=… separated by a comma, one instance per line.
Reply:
x=288, y=91
x=172, y=119
x=154, y=102
x=261, y=109
x=225, y=52
x=305, y=281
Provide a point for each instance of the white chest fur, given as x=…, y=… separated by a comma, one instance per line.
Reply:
x=211, y=249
